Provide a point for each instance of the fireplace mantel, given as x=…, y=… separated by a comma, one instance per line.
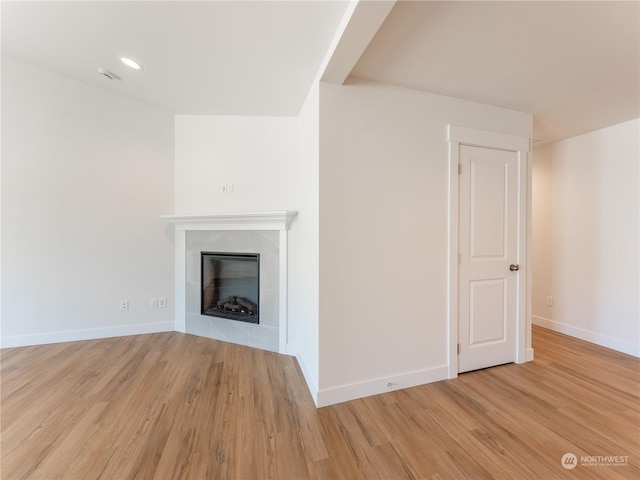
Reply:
x=276, y=220
x=273, y=220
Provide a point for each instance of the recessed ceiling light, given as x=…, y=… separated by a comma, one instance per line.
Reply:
x=131, y=63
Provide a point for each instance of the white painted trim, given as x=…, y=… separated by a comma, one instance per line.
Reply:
x=180, y=280
x=528, y=258
x=352, y=391
x=457, y=136
x=312, y=384
x=487, y=139
x=452, y=266
x=283, y=303
x=293, y=349
x=88, y=334
x=523, y=232
x=616, y=344
x=276, y=220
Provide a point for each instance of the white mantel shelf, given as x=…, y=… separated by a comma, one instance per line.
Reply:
x=276, y=220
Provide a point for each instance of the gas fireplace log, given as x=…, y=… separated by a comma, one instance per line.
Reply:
x=224, y=301
x=232, y=307
x=248, y=304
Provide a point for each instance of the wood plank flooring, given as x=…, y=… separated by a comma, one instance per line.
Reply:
x=176, y=406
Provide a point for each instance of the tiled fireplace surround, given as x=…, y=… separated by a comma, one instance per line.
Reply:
x=258, y=232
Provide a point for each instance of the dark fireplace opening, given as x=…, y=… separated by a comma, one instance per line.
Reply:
x=230, y=285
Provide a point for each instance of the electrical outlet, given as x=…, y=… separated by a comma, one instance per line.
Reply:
x=153, y=303
x=550, y=301
x=124, y=305
x=162, y=302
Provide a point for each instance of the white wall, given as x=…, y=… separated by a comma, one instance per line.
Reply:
x=85, y=177
x=304, y=261
x=272, y=163
x=258, y=155
x=383, y=233
x=586, y=242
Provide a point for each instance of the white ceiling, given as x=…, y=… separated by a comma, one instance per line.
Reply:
x=200, y=57
x=574, y=65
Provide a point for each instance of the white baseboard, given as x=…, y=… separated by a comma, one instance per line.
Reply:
x=529, y=355
x=88, y=334
x=623, y=346
x=312, y=384
x=344, y=393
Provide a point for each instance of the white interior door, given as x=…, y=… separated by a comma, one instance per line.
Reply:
x=488, y=262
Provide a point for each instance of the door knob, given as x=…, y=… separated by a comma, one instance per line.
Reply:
x=514, y=268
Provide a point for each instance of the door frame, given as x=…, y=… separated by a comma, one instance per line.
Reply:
x=457, y=136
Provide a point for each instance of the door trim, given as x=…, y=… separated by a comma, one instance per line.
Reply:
x=457, y=136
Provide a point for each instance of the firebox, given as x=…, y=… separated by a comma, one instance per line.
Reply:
x=230, y=285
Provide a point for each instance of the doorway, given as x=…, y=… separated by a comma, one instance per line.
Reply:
x=489, y=278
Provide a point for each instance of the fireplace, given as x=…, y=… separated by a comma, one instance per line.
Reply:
x=230, y=285
x=261, y=232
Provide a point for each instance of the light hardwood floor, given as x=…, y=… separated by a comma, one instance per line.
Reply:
x=171, y=406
